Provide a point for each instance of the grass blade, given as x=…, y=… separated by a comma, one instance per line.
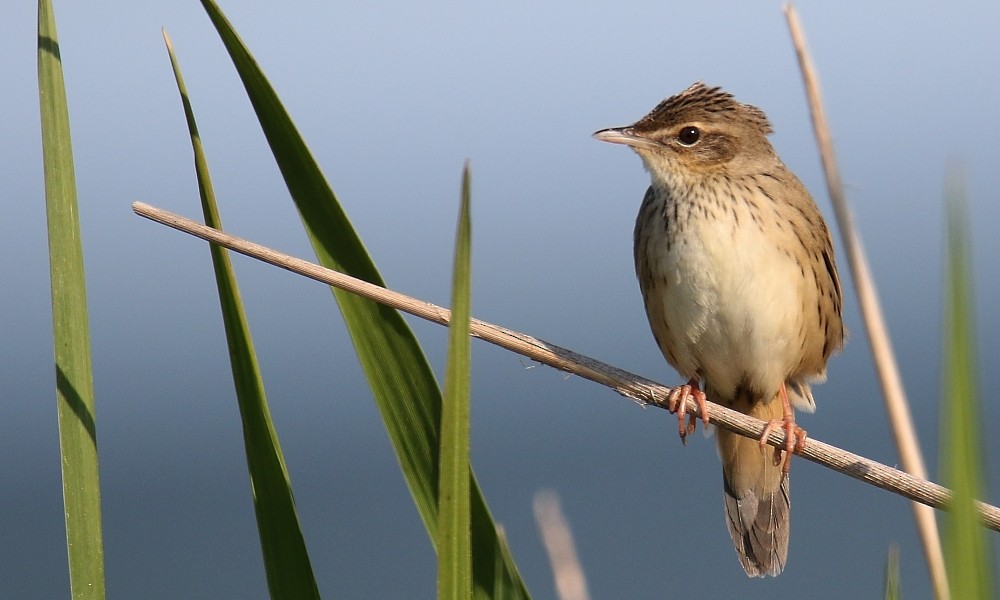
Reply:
x=966, y=546
x=286, y=561
x=454, y=534
x=70, y=325
x=402, y=382
x=892, y=573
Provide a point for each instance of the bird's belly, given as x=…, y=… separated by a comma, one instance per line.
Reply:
x=725, y=304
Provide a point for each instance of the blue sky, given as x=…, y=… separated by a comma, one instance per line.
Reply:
x=392, y=98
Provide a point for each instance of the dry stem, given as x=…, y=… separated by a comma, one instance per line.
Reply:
x=571, y=584
x=878, y=334
x=639, y=389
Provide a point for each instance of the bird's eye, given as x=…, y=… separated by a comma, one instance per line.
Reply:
x=689, y=135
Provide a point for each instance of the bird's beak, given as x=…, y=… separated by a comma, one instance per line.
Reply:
x=625, y=135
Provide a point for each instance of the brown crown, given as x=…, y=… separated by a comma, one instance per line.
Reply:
x=702, y=103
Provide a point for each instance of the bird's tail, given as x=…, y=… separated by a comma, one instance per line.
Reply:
x=756, y=494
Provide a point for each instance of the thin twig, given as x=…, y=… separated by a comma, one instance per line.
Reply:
x=878, y=334
x=571, y=584
x=642, y=390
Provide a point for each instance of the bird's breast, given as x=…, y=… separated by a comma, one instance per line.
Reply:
x=722, y=290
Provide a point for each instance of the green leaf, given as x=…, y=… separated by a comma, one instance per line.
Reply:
x=454, y=534
x=402, y=382
x=70, y=325
x=967, y=549
x=286, y=561
x=892, y=573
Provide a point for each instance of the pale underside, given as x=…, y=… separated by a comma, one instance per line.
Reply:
x=726, y=304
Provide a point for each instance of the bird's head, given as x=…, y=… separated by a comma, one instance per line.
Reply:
x=700, y=131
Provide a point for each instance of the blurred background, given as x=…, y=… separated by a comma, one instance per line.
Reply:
x=392, y=98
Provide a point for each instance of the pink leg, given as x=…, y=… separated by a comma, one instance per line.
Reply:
x=795, y=436
x=677, y=403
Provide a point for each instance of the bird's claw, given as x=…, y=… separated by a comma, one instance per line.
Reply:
x=795, y=441
x=677, y=403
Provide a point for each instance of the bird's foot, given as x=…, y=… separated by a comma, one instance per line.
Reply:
x=795, y=440
x=677, y=403
x=795, y=436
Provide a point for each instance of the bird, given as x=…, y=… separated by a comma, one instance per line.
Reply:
x=736, y=268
